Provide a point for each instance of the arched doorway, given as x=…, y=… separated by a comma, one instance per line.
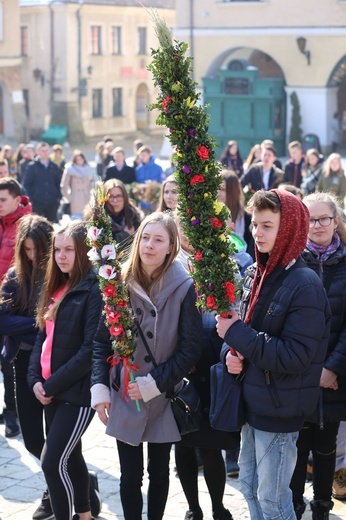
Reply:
x=246, y=91
x=142, y=113
x=337, y=88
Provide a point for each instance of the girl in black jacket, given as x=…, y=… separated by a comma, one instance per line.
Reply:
x=325, y=253
x=60, y=367
x=18, y=299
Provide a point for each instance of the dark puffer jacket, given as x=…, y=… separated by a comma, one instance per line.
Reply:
x=333, y=273
x=75, y=326
x=285, y=357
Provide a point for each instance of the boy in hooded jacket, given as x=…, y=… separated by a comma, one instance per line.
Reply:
x=281, y=340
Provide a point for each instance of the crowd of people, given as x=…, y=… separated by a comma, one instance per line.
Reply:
x=288, y=330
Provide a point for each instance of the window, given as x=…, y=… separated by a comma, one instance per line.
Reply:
x=26, y=101
x=24, y=41
x=116, y=40
x=142, y=40
x=96, y=47
x=117, y=95
x=97, y=102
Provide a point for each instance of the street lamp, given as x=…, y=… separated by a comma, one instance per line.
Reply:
x=301, y=42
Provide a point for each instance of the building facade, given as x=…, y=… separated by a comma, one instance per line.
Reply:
x=13, y=120
x=301, y=42
x=85, y=63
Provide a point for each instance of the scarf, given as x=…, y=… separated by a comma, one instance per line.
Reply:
x=82, y=172
x=324, y=252
x=289, y=244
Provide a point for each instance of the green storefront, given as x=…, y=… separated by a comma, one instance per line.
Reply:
x=245, y=107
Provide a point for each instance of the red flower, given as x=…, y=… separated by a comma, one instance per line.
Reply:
x=116, y=330
x=113, y=316
x=196, y=179
x=203, y=152
x=189, y=211
x=230, y=292
x=165, y=103
x=216, y=222
x=211, y=302
x=198, y=256
x=109, y=291
x=121, y=303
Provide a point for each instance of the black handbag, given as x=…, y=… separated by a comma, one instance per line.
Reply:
x=186, y=403
x=186, y=407
x=227, y=409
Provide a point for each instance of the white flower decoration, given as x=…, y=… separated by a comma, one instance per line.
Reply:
x=94, y=233
x=107, y=272
x=93, y=254
x=108, y=252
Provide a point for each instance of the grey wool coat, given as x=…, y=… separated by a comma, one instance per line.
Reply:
x=172, y=326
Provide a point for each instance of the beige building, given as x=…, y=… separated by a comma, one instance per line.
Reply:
x=267, y=34
x=12, y=107
x=84, y=64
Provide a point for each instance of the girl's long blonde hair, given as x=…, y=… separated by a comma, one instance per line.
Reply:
x=133, y=268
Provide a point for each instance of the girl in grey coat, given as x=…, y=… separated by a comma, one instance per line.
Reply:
x=163, y=299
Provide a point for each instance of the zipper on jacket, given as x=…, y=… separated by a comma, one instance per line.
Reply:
x=272, y=389
x=320, y=405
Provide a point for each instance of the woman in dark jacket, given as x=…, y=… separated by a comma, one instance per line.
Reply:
x=19, y=296
x=60, y=368
x=325, y=254
x=232, y=159
x=282, y=344
x=125, y=217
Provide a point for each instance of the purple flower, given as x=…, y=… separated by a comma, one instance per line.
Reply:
x=191, y=132
x=186, y=169
x=190, y=195
x=211, y=287
x=195, y=222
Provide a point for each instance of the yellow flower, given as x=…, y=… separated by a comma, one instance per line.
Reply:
x=222, y=238
x=222, y=255
x=190, y=102
x=206, y=195
x=217, y=207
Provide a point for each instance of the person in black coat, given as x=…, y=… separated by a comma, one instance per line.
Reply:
x=263, y=175
x=281, y=341
x=60, y=368
x=42, y=184
x=19, y=295
x=125, y=218
x=119, y=169
x=325, y=254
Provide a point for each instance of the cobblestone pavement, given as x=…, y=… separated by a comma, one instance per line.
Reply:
x=22, y=482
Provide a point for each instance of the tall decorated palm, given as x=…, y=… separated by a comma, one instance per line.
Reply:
x=197, y=171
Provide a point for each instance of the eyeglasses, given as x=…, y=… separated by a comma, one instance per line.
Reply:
x=324, y=221
x=115, y=197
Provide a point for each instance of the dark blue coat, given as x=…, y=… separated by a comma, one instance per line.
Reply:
x=333, y=274
x=285, y=357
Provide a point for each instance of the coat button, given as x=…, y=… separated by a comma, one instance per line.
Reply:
x=147, y=359
x=150, y=335
x=138, y=311
x=153, y=313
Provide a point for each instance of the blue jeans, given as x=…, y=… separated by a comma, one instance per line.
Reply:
x=267, y=461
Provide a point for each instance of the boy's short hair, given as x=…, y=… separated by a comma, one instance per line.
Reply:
x=295, y=144
x=262, y=200
x=269, y=147
x=42, y=144
x=57, y=147
x=13, y=186
x=144, y=148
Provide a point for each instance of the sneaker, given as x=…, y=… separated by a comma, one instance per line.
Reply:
x=222, y=514
x=94, y=494
x=44, y=510
x=11, y=425
x=339, y=484
x=232, y=468
x=194, y=514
